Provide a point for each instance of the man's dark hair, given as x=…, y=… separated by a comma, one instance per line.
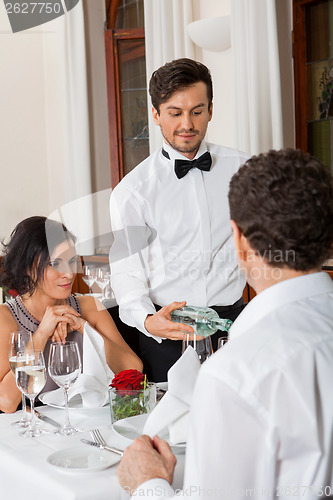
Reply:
x=28, y=252
x=177, y=75
x=282, y=202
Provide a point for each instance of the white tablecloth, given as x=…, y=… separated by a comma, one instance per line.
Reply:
x=24, y=472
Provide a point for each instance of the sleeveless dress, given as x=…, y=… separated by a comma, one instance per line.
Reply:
x=27, y=322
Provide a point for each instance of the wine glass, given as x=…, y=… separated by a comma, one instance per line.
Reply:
x=89, y=276
x=102, y=279
x=64, y=368
x=30, y=379
x=202, y=345
x=221, y=342
x=21, y=347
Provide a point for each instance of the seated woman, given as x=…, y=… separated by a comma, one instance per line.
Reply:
x=40, y=263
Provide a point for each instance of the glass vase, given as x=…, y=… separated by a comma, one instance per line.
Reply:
x=128, y=403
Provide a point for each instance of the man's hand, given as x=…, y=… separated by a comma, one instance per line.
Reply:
x=146, y=459
x=160, y=324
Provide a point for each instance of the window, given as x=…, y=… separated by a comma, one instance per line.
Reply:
x=313, y=54
x=127, y=87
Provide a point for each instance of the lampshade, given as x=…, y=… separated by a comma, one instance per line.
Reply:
x=211, y=34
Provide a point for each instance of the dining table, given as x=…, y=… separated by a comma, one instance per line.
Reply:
x=25, y=468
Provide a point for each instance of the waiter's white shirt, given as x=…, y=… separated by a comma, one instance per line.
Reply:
x=261, y=422
x=192, y=257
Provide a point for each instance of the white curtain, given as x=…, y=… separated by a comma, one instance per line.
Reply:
x=74, y=216
x=254, y=43
x=166, y=39
x=67, y=121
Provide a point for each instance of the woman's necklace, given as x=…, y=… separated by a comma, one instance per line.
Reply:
x=27, y=306
x=36, y=314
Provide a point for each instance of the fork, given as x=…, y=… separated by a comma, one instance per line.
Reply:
x=98, y=438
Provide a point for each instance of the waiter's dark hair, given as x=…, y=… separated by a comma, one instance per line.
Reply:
x=282, y=202
x=28, y=251
x=177, y=75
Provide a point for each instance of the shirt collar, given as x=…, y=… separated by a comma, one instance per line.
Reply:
x=174, y=155
x=276, y=296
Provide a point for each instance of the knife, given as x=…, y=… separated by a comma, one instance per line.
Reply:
x=46, y=419
x=102, y=446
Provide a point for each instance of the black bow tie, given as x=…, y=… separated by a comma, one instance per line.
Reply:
x=204, y=162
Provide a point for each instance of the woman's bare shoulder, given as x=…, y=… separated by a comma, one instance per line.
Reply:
x=7, y=321
x=89, y=304
x=5, y=313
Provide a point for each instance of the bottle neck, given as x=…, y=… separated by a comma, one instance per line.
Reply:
x=221, y=324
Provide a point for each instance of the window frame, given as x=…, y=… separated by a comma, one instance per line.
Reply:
x=112, y=38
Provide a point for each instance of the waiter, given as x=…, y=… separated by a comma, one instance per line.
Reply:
x=170, y=216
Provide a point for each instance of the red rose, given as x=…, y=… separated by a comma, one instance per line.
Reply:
x=13, y=293
x=128, y=380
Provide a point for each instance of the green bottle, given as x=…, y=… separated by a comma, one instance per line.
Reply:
x=204, y=320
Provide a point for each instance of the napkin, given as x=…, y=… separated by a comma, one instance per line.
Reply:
x=173, y=409
x=93, y=383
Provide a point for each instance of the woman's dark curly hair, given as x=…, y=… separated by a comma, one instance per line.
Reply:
x=177, y=75
x=28, y=252
x=282, y=202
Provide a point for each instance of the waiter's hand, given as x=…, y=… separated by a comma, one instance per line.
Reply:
x=160, y=324
x=146, y=459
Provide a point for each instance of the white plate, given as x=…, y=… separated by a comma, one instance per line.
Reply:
x=93, y=294
x=162, y=385
x=75, y=403
x=132, y=427
x=82, y=459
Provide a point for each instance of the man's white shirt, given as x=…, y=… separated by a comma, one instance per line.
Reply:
x=190, y=255
x=261, y=421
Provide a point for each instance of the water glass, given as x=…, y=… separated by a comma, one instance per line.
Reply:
x=20, y=347
x=30, y=379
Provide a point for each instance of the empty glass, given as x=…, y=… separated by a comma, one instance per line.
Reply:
x=221, y=342
x=201, y=345
x=89, y=276
x=64, y=368
x=102, y=279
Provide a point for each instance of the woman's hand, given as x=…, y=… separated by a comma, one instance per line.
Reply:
x=76, y=323
x=63, y=328
x=60, y=333
x=56, y=321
